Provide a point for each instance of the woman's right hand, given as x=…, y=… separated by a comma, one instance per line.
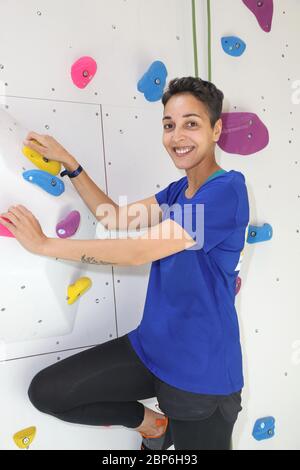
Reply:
x=48, y=147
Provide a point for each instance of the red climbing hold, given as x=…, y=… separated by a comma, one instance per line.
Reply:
x=83, y=70
x=4, y=232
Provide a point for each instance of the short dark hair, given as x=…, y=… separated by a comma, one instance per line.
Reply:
x=204, y=91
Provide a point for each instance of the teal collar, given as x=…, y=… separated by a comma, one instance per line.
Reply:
x=215, y=174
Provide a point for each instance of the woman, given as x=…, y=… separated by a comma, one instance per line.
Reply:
x=186, y=350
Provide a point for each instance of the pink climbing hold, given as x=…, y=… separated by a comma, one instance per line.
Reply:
x=83, y=70
x=243, y=133
x=68, y=226
x=263, y=10
x=4, y=232
x=238, y=285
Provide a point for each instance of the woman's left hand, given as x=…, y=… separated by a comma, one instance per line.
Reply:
x=25, y=227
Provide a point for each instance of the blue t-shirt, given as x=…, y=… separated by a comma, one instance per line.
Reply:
x=189, y=333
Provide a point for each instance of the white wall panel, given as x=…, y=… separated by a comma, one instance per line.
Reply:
x=37, y=318
x=260, y=81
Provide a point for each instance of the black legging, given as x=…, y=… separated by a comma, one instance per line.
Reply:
x=101, y=385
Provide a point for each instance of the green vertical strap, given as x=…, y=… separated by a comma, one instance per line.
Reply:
x=195, y=39
x=209, y=39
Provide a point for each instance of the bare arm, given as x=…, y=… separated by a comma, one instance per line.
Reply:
x=134, y=216
x=158, y=242
x=90, y=193
x=140, y=214
x=102, y=252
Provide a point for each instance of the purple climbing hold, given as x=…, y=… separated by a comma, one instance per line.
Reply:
x=238, y=285
x=68, y=226
x=263, y=10
x=243, y=133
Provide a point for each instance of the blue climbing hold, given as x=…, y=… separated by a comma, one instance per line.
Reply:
x=264, y=428
x=46, y=181
x=153, y=82
x=233, y=46
x=259, y=234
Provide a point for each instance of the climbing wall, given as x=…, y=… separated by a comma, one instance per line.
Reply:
x=91, y=74
x=104, y=118
x=254, y=62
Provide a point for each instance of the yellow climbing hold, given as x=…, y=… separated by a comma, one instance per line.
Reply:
x=24, y=438
x=78, y=289
x=41, y=162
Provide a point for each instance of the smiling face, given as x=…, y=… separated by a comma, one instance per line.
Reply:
x=187, y=133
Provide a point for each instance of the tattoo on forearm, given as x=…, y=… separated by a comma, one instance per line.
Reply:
x=92, y=260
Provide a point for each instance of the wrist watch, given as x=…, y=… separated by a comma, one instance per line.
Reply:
x=72, y=174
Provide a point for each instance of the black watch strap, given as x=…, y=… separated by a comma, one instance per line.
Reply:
x=72, y=174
